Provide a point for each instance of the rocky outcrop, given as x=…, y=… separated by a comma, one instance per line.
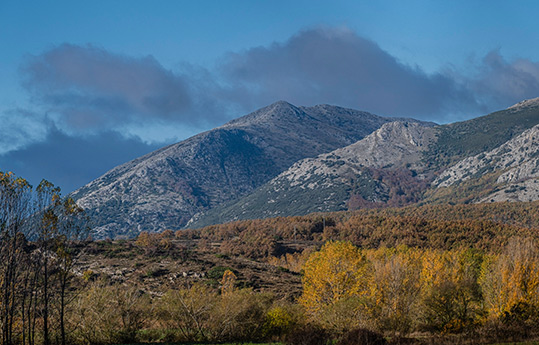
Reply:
x=516, y=160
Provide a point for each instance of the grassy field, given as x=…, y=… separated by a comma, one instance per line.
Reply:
x=520, y=343
x=534, y=342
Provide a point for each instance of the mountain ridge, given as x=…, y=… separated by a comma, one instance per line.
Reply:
x=387, y=178
x=320, y=158
x=165, y=188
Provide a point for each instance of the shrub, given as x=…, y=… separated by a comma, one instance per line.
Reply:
x=104, y=314
x=188, y=310
x=280, y=320
x=308, y=335
x=362, y=336
x=217, y=272
x=239, y=315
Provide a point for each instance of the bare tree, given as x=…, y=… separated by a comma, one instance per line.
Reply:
x=15, y=199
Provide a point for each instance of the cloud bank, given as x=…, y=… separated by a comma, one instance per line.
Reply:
x=85, y=88
x=71, y=161
x=108, y=107
x=340, y=67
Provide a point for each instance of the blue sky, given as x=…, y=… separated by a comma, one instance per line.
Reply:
x=85, y=86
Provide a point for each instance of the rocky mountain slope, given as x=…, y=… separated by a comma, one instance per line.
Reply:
x=327, y=182
x=396, y=165
x=515, y=165
x=165, y=188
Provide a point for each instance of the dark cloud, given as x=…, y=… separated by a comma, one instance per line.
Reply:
x=500, y=83
x=71, y=162
x=340, y=67
x=88, y=88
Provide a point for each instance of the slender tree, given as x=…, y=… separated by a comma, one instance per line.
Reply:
x=15, y=197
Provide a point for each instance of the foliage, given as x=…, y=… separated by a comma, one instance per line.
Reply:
x=217, y=272
x=308, y=335
x=107, y=314
x=480, y=226
x=401, y=290
x=512, y=278
x=395, y=288
x=361, y=336
x=39, y=232
x=280, y=320
x=188, y=310
x=228, y=283
x=333, y=276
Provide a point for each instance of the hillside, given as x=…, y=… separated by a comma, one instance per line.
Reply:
x=459, y=140
x=165, y=188
x=266, y=254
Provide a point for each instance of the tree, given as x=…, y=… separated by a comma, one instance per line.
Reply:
x=73, y=227
x=452, y=299
x=46, y=230
x=335, y=280
x=15, y=202
x=37, y=230
x=228, y=283
x=188, y=310
x=511, y=278
x=395, y=288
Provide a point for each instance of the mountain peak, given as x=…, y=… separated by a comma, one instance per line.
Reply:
x=262, y=115
x=527, y=103
x=164, y=189
x=281, y=104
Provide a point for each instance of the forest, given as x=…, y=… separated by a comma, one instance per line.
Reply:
x=431, y=274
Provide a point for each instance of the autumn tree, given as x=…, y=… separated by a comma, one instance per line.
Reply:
x=335, y=284
x=511, y=278
x=228, y=282
x=73, y=227
x=188, y=310
x=452, y=299
x=395, y=288
x=37, y=229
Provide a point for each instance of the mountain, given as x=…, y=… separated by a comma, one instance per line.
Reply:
x=404, y=163
x=165, y=188
x=326, y=183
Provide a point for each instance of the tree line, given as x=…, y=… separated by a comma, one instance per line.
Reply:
x=379, y=274
x=481, y=226
x=401, y=290
x=385, y=294
x=38, y=234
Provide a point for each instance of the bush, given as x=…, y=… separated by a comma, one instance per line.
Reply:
x=217, y=272
x=239, y=315
x=362, y=336
x=280, y=320
x=188, y=311
x=308, y=335
x=105, y=314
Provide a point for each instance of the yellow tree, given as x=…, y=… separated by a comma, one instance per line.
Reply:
x=335, y=284
x=512, y=277
x=395, y=287
x=451, y=294
x=228, y=283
